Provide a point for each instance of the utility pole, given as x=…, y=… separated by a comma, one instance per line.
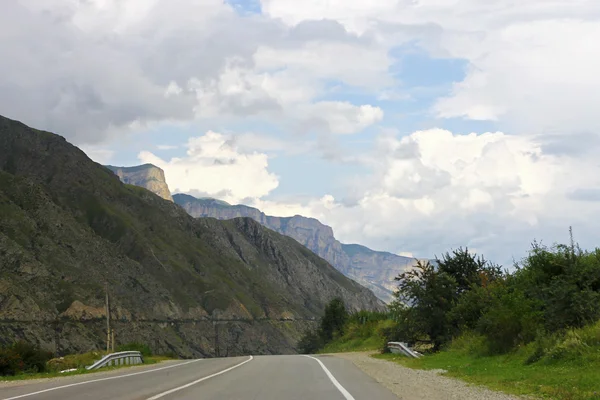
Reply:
x=216, y=325
x=108, y=332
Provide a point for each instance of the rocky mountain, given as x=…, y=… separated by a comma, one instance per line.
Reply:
x=375, y=270
x=147, y=176
x=196, y=287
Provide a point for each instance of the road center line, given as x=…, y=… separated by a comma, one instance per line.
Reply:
x=335, y=382
x=100, y=380
x=187, y=385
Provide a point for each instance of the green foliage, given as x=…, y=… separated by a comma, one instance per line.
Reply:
x=333, y=321
x=468, y=270
x=331, y=326
x=23, y=357
x=431, y=294
x=552, y=290
x=141, y=347
x=310, y=343
x=340, y=331
x=560, y=380
x=511, y=319
x=76, y=361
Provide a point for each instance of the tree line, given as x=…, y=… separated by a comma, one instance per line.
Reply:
x=553, y=289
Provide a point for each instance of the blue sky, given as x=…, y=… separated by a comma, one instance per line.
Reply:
x=408, y=127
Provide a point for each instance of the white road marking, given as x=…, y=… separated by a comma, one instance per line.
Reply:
x=163, y=394
x=100, y=380
x=335, y=382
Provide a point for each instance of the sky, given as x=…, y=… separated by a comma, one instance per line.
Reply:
x=409, y=126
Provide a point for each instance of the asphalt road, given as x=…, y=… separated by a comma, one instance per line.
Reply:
x=261, y=377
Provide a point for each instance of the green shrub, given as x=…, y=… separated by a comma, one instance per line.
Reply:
x=23, y=357
x=310, y=343
x=141, y=347
x=471, y=343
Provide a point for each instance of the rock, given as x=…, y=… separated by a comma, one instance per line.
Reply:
x=375, y=270
x=147, y=176
x=197, y=287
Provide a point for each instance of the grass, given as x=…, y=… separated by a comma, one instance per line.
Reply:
x=81, y=360
x=577, y=379
x=359, y=336
x=353, y=344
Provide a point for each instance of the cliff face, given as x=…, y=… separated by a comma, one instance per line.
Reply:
x=375, y=270
x=197, y=287
x=147, y=176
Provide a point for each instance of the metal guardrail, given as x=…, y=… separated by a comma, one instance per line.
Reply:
x=120, y=358
x=402, y=348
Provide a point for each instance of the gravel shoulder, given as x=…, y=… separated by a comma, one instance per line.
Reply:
x=413, y=384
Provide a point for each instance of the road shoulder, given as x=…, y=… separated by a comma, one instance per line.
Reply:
x=412, y=384
x=125, y=369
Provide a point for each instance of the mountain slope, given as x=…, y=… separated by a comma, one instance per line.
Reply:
x=147, y=176
x=195, y=287
x=375, y=270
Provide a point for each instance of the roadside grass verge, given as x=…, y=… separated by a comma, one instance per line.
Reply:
x=363, y=332
x=345, y=345
x=557, y=368
x=79, y=361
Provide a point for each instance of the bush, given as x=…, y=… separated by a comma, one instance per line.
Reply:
x=334, y=320
x=471, y=343
x=310, y=343
x=512, y=319
x=141, y=347
x=23, y=357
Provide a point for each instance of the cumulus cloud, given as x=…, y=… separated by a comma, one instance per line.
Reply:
x=99, y=154
x=528, y=63
x=283, y=95
x=214, y=167
x=433, y=190
x=109, y=66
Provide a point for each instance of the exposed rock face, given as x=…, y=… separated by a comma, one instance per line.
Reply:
x=374, y=269
x=147, y=176
x=197, y=287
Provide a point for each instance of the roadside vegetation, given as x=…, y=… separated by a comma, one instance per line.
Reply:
x=22, y=360
x=532, y=330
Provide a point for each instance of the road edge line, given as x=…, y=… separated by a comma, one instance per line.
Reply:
x=187, y=385
x=99, y=380
x=335, y=382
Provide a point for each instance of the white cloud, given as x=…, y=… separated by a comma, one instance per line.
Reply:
x=532, y=66
x=166, y=147
x=283, y=95
x=214, y=167
x=111, y=66
x=98, y=154
x=433, y=190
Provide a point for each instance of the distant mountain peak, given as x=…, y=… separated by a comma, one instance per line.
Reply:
x=148, y=176
x=374, y=269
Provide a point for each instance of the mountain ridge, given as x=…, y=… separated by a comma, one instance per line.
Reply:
x=148, y=176
x=68, y=225
x=375, y=270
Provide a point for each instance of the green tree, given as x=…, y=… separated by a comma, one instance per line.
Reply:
x=333, y=320
x=468, y=269
x=429, y=295
x=310, y=343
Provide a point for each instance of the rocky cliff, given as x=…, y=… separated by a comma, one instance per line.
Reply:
x=147, y=176
x=196, y=287
x=375, y=270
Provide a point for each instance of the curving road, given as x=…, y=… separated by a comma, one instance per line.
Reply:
x=261, y=377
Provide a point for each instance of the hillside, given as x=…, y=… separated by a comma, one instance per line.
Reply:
x=197, y=287
x=375, y=270
x=147, y=176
